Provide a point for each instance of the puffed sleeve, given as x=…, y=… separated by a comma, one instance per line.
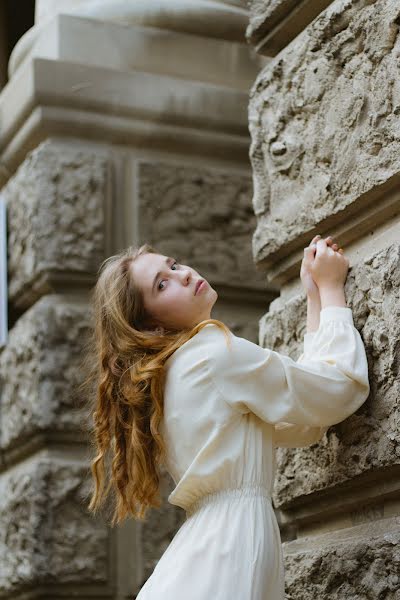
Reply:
x=323, y=388
x=288, y=435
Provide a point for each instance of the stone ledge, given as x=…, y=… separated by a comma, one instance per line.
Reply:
x=358, y=564
x=275, y=23
x=372, y=495
x=71, y=38
x=130, y=108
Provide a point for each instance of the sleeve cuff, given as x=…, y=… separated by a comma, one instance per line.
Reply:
x=336, y=313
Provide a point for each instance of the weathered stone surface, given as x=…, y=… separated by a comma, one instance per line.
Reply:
x=40, y=370
x=365, y=567
x=47, y=536
x=367, y=440
x=55, y=216
x=203, y=217
x=324, y=120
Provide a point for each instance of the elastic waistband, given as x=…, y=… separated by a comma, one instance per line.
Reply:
x=229, y=493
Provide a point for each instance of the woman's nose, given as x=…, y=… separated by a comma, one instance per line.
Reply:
x=186, y=276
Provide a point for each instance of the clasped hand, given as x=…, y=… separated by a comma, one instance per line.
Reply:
x=324, y=267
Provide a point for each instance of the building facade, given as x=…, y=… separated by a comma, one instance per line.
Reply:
x=227, y=134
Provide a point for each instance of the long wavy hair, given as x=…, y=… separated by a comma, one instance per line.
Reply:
x=126, y=383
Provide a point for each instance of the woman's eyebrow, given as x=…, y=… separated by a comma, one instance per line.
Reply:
x=168, y=260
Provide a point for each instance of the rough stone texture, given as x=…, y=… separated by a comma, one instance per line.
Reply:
x=40, y=369
x=160, y=527
x=55, y=216
x=202, y=215
x=47, y=536
x=325, y=124
x=365, y=567
x=367, y=440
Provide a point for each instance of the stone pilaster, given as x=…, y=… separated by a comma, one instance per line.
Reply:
x=323, y=120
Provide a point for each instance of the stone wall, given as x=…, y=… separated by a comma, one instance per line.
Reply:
x=49, y=542
x=95, y=156
x=324, y=120
x=101, y=150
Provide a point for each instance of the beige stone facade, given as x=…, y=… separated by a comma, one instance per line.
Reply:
x=124, y=122
x=323, y=116
x=121, y=122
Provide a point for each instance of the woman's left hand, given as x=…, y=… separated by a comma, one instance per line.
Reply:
x=309, y=285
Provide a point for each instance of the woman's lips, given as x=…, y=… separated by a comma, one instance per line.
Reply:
x=201, y=286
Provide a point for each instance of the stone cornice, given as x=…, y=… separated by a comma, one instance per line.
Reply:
x=49, y=98
x=206, y=18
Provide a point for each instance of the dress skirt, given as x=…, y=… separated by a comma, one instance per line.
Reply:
x=227, y=407
x=229, y=548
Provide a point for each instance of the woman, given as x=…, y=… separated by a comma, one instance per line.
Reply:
x=177, y=388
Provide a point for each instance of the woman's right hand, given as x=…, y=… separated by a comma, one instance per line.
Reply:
x=329, y=269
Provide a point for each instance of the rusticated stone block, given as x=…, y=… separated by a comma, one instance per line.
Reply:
x=47, y=536
x=368, y=439
x=201, y=216
x=55, y=207
x=364, y=567
x=40, y=370
x=324, y=121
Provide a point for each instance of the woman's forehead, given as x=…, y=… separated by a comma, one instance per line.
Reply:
x=150, y=259
x=145, y=267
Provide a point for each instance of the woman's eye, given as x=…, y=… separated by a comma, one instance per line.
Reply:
x=175, y=264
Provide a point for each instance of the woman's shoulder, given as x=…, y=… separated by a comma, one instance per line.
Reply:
x=214, y=335
x=208, y=343
x=222, y=346
x=211, y=337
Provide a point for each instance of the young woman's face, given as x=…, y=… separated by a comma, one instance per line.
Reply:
x=171, y=293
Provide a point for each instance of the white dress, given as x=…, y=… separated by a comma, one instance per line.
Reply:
x=226, y=410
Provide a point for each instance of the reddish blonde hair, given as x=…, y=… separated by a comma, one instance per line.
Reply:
x=126, y=384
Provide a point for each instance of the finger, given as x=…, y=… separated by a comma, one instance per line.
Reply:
x=309, y=251
x=315, y=239
x=335, y=247
x=341, y=250
x=321, y=245
x=329, y=240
